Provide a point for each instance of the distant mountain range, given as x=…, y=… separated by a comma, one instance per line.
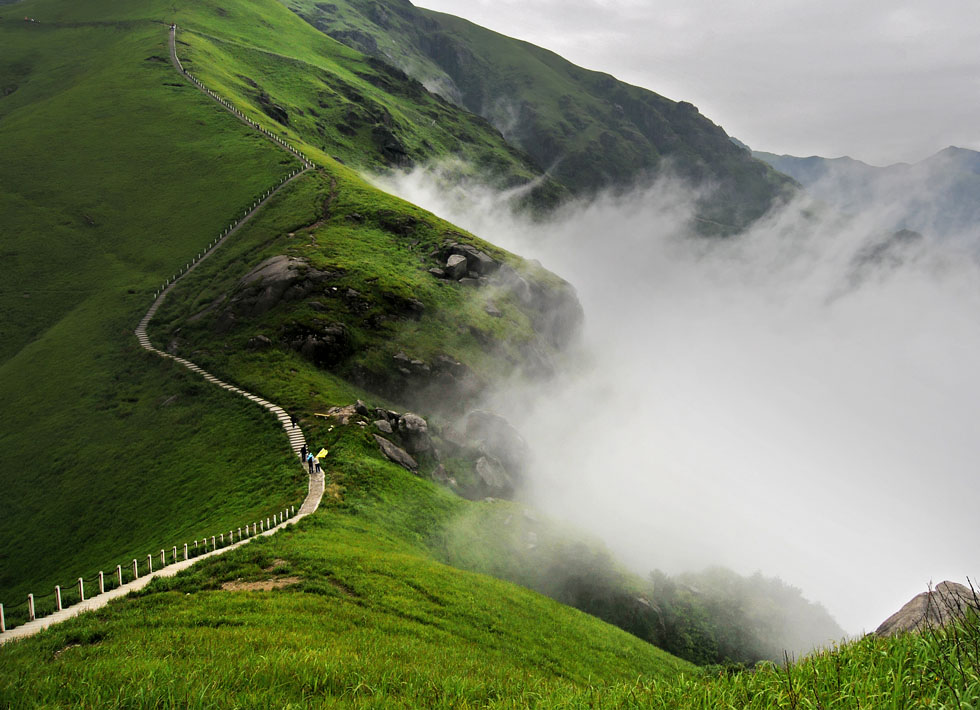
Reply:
x=938, y=196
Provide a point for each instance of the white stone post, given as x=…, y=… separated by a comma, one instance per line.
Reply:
x=136, y=569
x=239, y=533
x=292, y=509
x=221, y=539
x=149, y=564
x=175, y=554
x=267, y=522
x=163, y=558
x=3, y=623
x=119, y=574
x=57, y=597
x=101, y=582
x=30, y=608
x=185, y=550
x=263, y=525
x=213, y=546
x=81, y=589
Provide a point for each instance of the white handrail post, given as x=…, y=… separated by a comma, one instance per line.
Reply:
x=101, y=582
x=221, y=539
x=3, y=623
x=163, y=558
x=185, y=550
x=136, y=569
x=239, y=533
x=30, y=608
x=175, y=554
x=293, y=508
x=119, y=574
x=57, y=597
x=213, y=546
x=81, y=589
x=149, y=564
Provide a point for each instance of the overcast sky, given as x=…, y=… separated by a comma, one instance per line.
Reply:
x=881, y=80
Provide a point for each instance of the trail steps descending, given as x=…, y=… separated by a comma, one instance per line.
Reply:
x=293, y=432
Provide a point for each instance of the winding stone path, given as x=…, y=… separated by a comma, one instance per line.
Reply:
x=294, y=433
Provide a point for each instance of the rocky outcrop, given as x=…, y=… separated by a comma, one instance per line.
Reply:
x=494, y=477
x=277, y=279
x=396, y=454
x=948, y=601
x=323, y=344
x=414, y=433
x=455, y=268
x=462, y=261
x=494, y=435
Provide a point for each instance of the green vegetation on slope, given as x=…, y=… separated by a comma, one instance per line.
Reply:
x=588, y=129
x=349, y=608
x=115, y=172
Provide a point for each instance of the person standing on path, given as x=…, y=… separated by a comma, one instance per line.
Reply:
x=302, y=453
x=316, y=464
x=309, y=462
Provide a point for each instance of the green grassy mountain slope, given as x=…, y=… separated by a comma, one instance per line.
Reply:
x=114, y=173
x=106, y=451
x=588, y=129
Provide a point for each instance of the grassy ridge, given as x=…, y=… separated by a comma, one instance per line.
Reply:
x=104, y=448
x=591, y=131
x=365, y=617
x=106, y=452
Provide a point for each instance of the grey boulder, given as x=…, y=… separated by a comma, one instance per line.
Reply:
x=396, y=455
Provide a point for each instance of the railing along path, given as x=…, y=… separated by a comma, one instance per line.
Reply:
x=295, y=435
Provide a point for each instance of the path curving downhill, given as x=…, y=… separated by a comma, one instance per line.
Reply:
x=293, y=432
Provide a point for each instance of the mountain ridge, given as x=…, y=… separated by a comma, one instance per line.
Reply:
x=588, y=130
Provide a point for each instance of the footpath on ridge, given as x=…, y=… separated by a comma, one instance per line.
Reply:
x=293, y=432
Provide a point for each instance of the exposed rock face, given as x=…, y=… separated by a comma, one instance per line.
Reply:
x=499, y=439
x=384, y=426
x=496, y=481
x=455, y=267
x=414, y=433
x=279, y=278
x=946, y=602
x=324, y=344
x=476, y=261
x=396, y=455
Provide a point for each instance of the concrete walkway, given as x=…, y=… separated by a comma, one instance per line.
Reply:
x=294, y=433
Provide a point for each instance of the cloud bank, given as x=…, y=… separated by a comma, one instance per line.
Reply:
x=803, y=400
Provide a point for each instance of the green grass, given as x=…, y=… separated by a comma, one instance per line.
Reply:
x=376, y=245
x=115, y=172
x=368, y=618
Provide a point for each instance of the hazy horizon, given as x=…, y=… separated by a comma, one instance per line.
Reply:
x=882, y=82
